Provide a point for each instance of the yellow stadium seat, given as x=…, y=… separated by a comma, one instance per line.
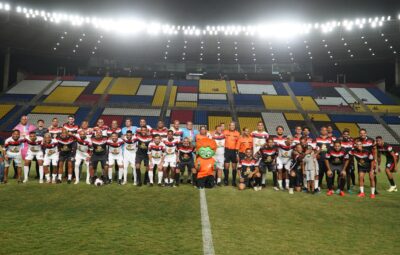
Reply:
x=319, y=117
x=234, y=87
x=55, y=109
x=249, y=122
x=351, y=126
x=101, y=88
x=125, y=86
x=216, y=120
x=294, y=116
x=186, y=104
x=212, y=87
x=5, y=108
x=307, y=103
x=385, y=108
x=278, y=102
x=64, y=95
x=172, y=96
x=159, y=96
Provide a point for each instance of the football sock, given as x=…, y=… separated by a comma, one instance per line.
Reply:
x=287, y=183
x=275, y=179
x=341, y=183
x=234, y=174
x=330, y=179
x=69, y=177
x=226, y=175
x=120, y=173
x=125, y=174
x=160, y=177
x=133, y=174
x=316, y=184
x=76, y=172
x=218, y=180
x=41, y=172
x=110, y=173
x=361, y=189
x=151, y=173
x=177, y=178
x=392, y=182
x=263, y=178
x=292, y=181
x=54, y=177
x=60, y=176
x=26, y=172
x=280, y=183
x=138, y=176
x=47, y=177
x=373, y=190
x=305, y=182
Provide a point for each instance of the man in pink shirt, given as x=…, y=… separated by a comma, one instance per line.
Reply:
x=24, y=128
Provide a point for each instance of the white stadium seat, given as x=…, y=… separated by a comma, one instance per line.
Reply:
x=186, y=97
x=365, y=95
x=74, y=83
x=330, y=101
x=375, y=130
x=131, y=112
x=34, y=117
x=272, y=120
x=212, y=96
x=146, y=90
x=346, y=95
x=31, y=87
x=256, y=89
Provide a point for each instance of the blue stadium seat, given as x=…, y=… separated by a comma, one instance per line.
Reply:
x=154, y=82
x=280, y=89
x=381, y=96
x=88, y=78
x=192, y=83
x=391, y=119
x=352, y=118
x=118, y=99
x=211, y=102
x=12, y=98
x=246, y=100
x=200, y=117
x=302, y=88
x=81, y=114
x=96, y=116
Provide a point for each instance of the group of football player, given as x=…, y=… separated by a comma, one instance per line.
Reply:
x=297, y=163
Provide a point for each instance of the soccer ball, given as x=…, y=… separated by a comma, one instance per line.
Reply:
x=98, y=182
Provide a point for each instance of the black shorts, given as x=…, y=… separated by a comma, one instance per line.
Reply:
x=337, y=169
x=267, y=167
x=142, y=157
x=183, y=164
x=95, y=159
x=390, y=165
x=66, y=157
x=230, y=156
x=206, y=182
x=364, y=169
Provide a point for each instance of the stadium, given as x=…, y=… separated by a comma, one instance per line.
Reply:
x=199, y=127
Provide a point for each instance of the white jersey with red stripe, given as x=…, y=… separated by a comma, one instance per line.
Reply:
x=83, y=146
x=34, y=148
x=178, y=134
x=13, y=147
x=157, y=151
x=279, y=139
x=161, y=132
x=220, y=141
x=71, y=128
x=114, y=130
x=259, y=139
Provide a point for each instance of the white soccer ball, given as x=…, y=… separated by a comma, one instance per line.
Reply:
x=98, y=182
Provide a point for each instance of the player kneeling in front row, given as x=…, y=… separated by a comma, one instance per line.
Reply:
x=186, y=160
x=205, y=163
x=34, y=151
x=296, y=170
x=250, y=175
x=156, y=159
x=336, y=161
x=51, y=156
x=169, y=166
x=267, y=153
x=115, y=155
x=366, y=165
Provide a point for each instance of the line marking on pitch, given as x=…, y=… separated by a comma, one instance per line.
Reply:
x=208, y=246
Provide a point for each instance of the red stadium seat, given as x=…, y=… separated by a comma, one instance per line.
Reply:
x=182, y=115
x=109, y=118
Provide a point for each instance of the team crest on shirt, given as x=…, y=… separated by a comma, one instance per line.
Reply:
x=65, y=148
x=81, y=149
x=337, y=161
x=99, y=149
x=51, y=152
x=34, y=149
x=115, y=151
x=268, y=159
x=130, y=147
x=170, y=151
x=248, y=170
x=14, y=150
x=157, y=155
x=143, y=146
x=323, y=147
x=361, y=162
x=220, y=144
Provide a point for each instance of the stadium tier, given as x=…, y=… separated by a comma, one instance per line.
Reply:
x=203, y=102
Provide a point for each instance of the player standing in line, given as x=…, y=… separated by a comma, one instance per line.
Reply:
x=391, y=161
x=279, y=139
x=128, y=127
x=336, y=161
x=370, y=145
x=83, y=153
x=267, y=155
x=245, y=142
x=34, y=152
x=323, y=144
x=178, y=133
x=114, y=154
x=130, y=148
x=249, y=172
x=13, y=153
x=298, y=134
x=100, y=126
x=156, y=154
x=55, y=129
x=231, y=153
x=70, y=125
x=185, y=159
x=143, y=139
x=171, y=155
x=85, y=128
x=161, y=130
x=297, y=169
x=284, y=161
x=66, y=147
x=51, y=155
x=347, y=144
x=114, y=129
x=366, y=165
x=219, y=139
x=260, y=137
x=99, y=155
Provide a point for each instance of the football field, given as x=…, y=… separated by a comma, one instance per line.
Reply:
x=114, y=219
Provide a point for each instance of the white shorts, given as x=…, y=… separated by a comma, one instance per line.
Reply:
x=129, y=158
x=52, y=159
x=219, y=161
x=112, y=158
x=30, y=155
x=80, y=157
x=155, y=161
x=13, y=156
x=170, y=160
x=283, y=163
x=310, y=175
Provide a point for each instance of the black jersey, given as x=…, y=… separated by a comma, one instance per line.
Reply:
x=267, y=154
x=337, y=157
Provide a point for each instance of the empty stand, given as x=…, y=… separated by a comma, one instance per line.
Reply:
x=267, y=89
x=319, y=117
x=333, y=101
x=396, y=129
x=32, y=87
x=212, y=86
x=331, y=108
x=374, y=130
x=233, y=87
x=146, y=82
x=55, y=109
x=385, y=108
x=89, y=99
x=212, y=102
x=294, y=116
x=249, y=122
x=172, y=96
x=325, y=92
x=272, y=120
x=381, y=96
x=302, y=88
x=125, y=86
x=200, y=117
x=75, y=83
x=352, y=118
x=182, y=115
x=345, y=95
x=132, y=112
x=88, y=78
x=146, y=90
x=12, y=98
x=186, y=97
x=101, y=88
x=122, y=99
x=216, y=120
x=280, y=89
x=365, y=96
x=351, y=126
x=391, y=119
x=212, y=96
x=51, y=88
x=307, y=103
x=5, y=108
x=7, y=115
x=159, y=96
x=247, y=100
x=278, y=103
x=64, y=95
x=186, y=83
x=186, y=104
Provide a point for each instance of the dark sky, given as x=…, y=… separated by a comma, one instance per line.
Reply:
x=226, y=11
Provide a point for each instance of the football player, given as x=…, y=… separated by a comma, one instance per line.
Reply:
x=13, y=154
x=156, y=154
x=34, y=152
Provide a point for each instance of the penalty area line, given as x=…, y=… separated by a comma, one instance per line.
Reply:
x=208, y=246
